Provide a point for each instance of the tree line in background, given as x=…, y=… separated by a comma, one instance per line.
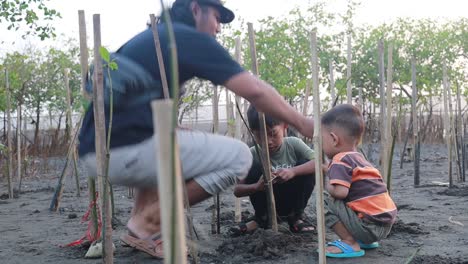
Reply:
x=36, y=77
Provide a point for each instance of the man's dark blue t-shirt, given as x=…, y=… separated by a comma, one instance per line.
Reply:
x=199, y=55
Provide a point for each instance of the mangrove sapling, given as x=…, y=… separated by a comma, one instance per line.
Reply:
x=94, y=226
x=110, y=64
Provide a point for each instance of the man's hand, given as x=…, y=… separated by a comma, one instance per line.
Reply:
x=283, y=175
x=307, y=127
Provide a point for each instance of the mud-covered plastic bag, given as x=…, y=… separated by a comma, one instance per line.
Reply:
x=131, y=83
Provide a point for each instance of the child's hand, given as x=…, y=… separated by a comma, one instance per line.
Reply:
x=260, y=185
x=283, y=175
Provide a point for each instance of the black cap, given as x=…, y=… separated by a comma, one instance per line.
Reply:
x=226, y=14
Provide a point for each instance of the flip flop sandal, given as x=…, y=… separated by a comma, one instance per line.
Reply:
x=369, y=246
x=346, y=250
x=152, y=246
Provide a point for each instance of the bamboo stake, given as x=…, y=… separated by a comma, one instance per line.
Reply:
x=332, y=84
x=453, y=136
x=460, y=131
x=414, y=111
x=387, y=162
x=56, y=198
x=382, y=99
x=451, y=129
x=447, y=129
x=83, y=53
x=18, y=146
x=84, y=73
x=173, y=227
x=9, y=137
x=70, y=129
x=237, y=131
x=159, y=55
x=349, y=88
x=264, y=141
x=99, y=120
x=215, y=212
x=318, y=151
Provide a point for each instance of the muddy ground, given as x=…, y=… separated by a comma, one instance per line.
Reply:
x=32, y=234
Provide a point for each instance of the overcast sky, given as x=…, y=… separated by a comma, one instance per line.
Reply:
x=120, y=20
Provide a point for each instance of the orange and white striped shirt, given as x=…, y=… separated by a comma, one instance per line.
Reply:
x=368, y=194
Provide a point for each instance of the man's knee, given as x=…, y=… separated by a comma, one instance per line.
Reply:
x=243, y=160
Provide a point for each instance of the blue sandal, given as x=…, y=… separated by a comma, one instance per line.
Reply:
x=369, y=246
x=346, y=250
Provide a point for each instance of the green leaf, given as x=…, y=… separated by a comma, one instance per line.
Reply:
x=113, y=65
x=104, y=54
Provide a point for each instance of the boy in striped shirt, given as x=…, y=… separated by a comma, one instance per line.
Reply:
x=358, y=206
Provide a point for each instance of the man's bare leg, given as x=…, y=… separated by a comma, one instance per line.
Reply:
x=345, y=236
x=146, y=215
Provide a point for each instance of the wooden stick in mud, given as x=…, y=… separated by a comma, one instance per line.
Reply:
x=349, y=88
x=387, y=162
x=318, y=151
x=172, y=214
x=70, y=129
x=382, y=99
x=18, y=146
x=414, y=111
x=84, y=72
x=264, y=141
x=447, y=124
x=101, y=159
x=9, y=137
x=83, y=53
x=237, y=131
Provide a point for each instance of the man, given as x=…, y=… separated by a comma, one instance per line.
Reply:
x=209, y=162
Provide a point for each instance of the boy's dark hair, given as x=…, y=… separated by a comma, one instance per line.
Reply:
x=254, y=122
x=346, y=117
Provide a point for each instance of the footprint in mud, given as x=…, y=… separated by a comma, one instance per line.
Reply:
x=409, y=208
x=264, y=244
x=437, y=259
x=455, y=191
x=409, y=228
